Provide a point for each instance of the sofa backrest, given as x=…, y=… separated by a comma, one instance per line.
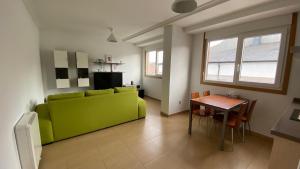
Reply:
x=63, y=96
x=98, y=92
x=71, y=117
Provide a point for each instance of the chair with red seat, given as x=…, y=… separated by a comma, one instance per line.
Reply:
x=247, y=116
x=196, y=109
x=208, y=109
x=234, y=120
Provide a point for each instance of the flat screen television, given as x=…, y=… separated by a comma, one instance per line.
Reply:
x=106, y=80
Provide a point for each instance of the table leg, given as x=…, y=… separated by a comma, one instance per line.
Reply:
x=190, y=119
x=223, y=130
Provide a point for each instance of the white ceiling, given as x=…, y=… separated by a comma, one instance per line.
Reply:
x=125, y=16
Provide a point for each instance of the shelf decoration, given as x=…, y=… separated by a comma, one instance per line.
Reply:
x=108, y=58
x=102, y=63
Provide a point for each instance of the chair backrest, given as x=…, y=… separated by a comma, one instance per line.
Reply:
x=195, y=95
x=208, y=110
x=242, y=112
x=206, y=93
x=243, y=109
x=250, y=110
x=247, y=101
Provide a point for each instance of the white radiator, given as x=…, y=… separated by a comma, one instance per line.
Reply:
x=28, y=139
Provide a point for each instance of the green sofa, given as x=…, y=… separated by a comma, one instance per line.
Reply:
x=69, y=115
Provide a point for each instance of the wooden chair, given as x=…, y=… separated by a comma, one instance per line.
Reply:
x=247, y=116
x=206, y=93
x=234, y=119
x=196, y=109
x=210, y=111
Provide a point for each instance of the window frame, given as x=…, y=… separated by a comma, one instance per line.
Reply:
x=206, y=63
x=280, y=62
x=283, y=66
x=156, y=64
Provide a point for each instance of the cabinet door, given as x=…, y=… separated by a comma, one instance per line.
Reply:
x=82, y=60
x=83, y=82
x=61, y=59
x=62, y=83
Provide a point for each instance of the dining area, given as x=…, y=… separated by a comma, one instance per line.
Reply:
x=228, y=113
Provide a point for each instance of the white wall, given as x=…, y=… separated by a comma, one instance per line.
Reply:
x=269, y=107
x=167, y=44
x=20, y=72
x=177, y=45
x=152, y=85
x=93, y=43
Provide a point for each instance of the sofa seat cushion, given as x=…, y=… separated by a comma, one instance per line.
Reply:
x=46, y=130
x=99, y=92
x=65, y=96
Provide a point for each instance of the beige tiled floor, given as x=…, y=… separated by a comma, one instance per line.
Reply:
x=155, y=142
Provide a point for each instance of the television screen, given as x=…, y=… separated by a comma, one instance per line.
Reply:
x=106, y=80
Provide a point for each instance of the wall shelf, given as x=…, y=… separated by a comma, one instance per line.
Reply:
x=109, y=63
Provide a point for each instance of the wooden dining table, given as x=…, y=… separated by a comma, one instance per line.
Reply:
x=217, y=102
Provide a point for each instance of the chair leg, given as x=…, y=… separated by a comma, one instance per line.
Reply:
x=238, y=132
x=215, y=125
x=243, y=132
x=207, y=125
x=249, y=127
x=199, y=120
x=232, y=136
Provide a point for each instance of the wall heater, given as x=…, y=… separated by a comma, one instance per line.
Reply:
x=28, y=140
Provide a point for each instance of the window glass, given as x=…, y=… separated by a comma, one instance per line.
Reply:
x=151, y=63
x=154, y=63
x=221, y=57
x=260, y=58
x=160, y=58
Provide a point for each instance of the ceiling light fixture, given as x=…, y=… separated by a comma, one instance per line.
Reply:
x=111, y=37
x=184, y=6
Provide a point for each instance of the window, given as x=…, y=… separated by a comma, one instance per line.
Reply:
x=221, y=60
x=254, y=59
x=154, y=63
x=260, y=58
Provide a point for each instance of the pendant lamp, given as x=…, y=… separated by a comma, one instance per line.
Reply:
x=184, y=6
x=111, y=37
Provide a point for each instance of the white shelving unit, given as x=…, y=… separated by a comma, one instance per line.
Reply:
x=82, y=61
x=61, y=68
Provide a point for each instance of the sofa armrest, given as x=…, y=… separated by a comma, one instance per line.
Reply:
x=141, y=107
x=46, y=131
x=43, y=111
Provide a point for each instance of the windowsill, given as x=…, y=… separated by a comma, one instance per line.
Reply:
x=257, y=89
x=156, y=77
